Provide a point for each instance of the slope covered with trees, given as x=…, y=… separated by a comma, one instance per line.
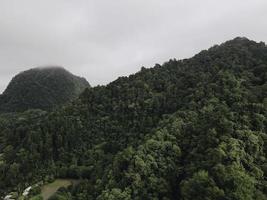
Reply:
x=190, y=129
x=41, y=88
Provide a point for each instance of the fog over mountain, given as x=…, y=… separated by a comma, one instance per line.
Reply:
x=102, y=40
x=41, y=88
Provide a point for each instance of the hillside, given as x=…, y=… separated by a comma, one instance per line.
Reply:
x=41, y=88
x=192, y=129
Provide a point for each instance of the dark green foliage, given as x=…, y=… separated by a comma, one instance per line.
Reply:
x=41, y=88
x=61, y=194
x=35, y=191
x=200, y=187
x=38, y=197
x=190, y=129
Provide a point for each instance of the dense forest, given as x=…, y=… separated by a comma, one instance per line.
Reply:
x=41, y=88
x=193, y=129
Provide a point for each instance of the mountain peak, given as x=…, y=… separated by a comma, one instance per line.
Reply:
x=243, y=41
x=42, y=88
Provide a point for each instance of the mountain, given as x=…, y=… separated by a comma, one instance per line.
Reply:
x=41, y=88
x=191, y=129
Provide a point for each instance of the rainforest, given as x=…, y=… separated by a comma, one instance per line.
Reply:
x=191, y=129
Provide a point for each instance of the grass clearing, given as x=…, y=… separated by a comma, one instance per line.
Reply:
x=49, y=189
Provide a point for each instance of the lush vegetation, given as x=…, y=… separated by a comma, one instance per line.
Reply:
x=190, y=129
x=41, y=88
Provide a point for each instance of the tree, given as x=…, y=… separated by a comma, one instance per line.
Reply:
x=201, y=187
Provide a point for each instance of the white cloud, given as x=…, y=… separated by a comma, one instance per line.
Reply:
x=103, y=39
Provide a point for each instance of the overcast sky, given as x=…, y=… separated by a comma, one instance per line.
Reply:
x=103, y=39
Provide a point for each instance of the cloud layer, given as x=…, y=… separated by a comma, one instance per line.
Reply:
x=101, y=39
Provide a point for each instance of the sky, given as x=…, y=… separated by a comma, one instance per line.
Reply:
x=104, y=39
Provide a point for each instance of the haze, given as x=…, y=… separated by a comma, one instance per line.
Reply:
x=101, y=40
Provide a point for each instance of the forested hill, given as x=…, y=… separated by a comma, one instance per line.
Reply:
x=192, y=129
x=41, y=88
